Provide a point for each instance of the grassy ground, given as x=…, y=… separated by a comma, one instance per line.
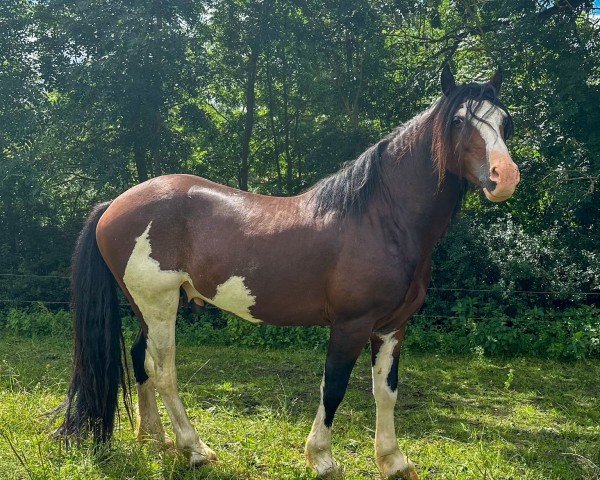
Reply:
x=457, y=418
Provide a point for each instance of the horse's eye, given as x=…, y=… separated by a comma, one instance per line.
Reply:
x=458, y=121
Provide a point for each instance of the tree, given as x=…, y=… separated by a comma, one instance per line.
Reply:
x=121, y=70
x=271, y=96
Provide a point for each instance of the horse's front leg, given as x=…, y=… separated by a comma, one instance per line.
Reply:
x=346, y=341
x=385, y=353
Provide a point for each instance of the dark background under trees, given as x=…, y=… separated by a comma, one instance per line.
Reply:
x=270, y=96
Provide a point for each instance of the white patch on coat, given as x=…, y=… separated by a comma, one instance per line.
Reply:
x=154, y=291
x=318, y=444
x=233, y=296
x=387, y=454
x=146, y=282
x=490, y=131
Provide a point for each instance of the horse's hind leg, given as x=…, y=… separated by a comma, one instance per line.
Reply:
x=149, y=424
x=160, y=367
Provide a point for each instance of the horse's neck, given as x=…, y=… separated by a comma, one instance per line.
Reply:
x=411, y=198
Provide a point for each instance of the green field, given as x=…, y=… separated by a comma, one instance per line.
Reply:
x=457, y=417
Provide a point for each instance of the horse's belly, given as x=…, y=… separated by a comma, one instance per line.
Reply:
x=295, y=319
x=274, y=307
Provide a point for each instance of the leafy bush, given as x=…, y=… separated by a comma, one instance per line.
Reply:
x=510, y=269
x=37, y=321
x=240, y=332
x=569, y=334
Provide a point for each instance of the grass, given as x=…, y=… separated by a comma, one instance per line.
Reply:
x=457, y=417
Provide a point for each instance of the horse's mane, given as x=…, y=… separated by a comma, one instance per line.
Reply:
x=348, y=191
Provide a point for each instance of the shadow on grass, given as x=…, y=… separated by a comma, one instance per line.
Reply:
x=543, y=416
x=128, y=459
x=522, y=407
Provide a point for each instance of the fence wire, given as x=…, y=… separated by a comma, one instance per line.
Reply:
x=434, y=289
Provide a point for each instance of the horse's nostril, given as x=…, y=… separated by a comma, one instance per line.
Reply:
x=494, y=174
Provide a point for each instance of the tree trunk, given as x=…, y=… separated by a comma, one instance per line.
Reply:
x=289, y=174
x=140, y=164
x=249, y=120
x=296, y=121
x=273, y=129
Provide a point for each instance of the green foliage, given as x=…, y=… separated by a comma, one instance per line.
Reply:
x=37, y=322
x=240, y=332
x=96, y=96
x=572, y=333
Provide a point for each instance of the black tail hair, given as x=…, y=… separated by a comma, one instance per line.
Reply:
x=99, y=361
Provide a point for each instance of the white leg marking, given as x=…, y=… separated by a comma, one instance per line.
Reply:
x=156, y=293
x=149, y=423
x=387, y=454
x=318, y=444
x=160, y=365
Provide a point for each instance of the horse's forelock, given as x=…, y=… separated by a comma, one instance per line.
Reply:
x=442, y=115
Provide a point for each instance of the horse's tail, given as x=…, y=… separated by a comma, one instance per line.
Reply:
x=99, y=364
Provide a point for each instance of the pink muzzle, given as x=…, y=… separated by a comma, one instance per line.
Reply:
x=505, y=174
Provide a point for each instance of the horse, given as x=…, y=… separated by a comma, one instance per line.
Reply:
x=352, y=253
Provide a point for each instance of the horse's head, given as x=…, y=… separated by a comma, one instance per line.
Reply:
x=470, y=127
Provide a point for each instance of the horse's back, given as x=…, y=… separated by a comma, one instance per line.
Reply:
x=162, y=207
x=217, y=235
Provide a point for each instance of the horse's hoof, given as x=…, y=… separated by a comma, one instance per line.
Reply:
x=396, y=466
x=325, y=467
x=198, y=459
x=407, y=474
x=320, y=460
x=332, y=472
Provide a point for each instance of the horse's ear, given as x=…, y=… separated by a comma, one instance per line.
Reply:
x=496, y=80
x=447, y=80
